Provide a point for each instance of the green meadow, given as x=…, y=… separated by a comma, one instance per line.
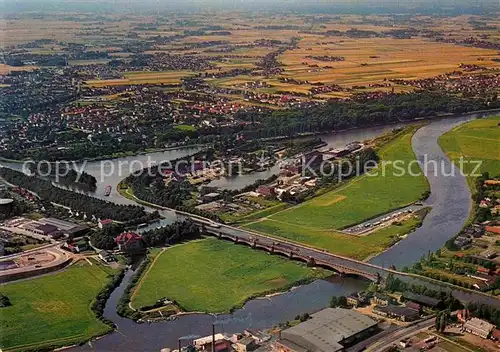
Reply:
x=213, y=275
x=53, y=310
x=476, y=140
x=357, y=247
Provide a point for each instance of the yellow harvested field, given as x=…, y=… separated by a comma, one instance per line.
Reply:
x=170, y=77
x=5, y=69
x=375, y=59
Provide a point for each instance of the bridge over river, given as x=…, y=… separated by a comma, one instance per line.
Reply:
x=340, y=264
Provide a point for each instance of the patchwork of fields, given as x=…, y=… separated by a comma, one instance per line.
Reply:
x=210, y=275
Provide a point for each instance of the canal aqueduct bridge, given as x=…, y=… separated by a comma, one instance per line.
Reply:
x=343, y=266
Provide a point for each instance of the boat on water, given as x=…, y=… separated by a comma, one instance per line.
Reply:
x=107, y=192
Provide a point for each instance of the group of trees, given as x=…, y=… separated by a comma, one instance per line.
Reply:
x=303, y=317
x=442, y=320
x=362, y=110
x=484, y=311
x=76, y=201
x=340, y=301
x=103, y=296
x=64, y=174
x=123, y=308
x=395, y=284
x=170, y=234
x=161, y=236
x=483, y=214
x=16, y=208
x=105, y=238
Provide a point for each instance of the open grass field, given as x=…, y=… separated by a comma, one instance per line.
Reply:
x=475, y=140
x=314, y=222
x=213, y=275
x=54, y=309
x=357, y=247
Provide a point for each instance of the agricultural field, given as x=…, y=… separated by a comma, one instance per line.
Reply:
x=477, y=140
x=367, y=59
x=132, y=78
x=54, y=309
x=374, y=60
x=209, y=275
x=315, y=222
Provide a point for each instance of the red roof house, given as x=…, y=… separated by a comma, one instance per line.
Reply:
x=265, y=190
x=483, y=270
x=493, y=229
x=104, y=223
x=129, y=242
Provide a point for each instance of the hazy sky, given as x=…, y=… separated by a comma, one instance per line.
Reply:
x=359, y=5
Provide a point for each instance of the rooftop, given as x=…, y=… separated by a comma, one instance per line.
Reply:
x=62, y=224
x=479, y=325
x=5, y=201
x=325, y=331
x=426, y=300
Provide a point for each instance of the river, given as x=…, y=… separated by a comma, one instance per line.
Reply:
x=450, y=198
x=257, y=314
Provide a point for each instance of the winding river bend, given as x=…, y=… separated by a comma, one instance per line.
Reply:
x=450, y=197
x=450, y=201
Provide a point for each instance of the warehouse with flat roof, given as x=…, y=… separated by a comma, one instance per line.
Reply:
x=66, y=227
x=329, y=330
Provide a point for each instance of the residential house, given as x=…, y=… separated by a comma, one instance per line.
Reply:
x=489, y=254
x=210, y=197
x=493, y=229
x=245, y=344
x=257, y=335
x=130, y=242
x=380, y=299
x=105, y=223
x=353, y=300
x=106, y=256
x=495, y=335
x=265, y=190
x=462, y=242
x=413, y=305
x=483, y=271
x=77, y=247
x=401, y=313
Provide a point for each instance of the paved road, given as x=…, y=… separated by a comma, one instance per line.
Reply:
x=400, y=334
